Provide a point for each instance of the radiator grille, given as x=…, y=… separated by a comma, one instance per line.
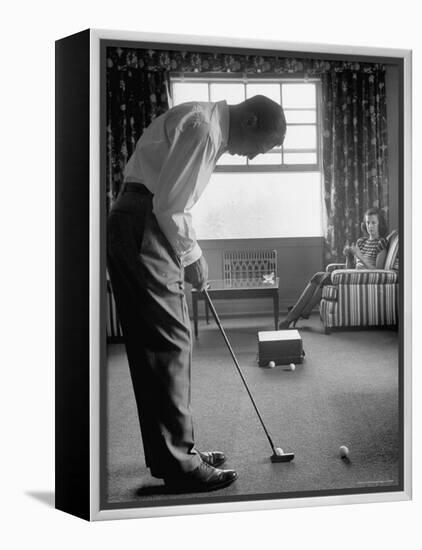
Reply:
x=249, y=265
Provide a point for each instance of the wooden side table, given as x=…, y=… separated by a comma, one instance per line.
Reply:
x=220, y=289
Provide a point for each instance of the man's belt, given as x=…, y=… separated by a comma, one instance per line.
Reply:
x=131, y=186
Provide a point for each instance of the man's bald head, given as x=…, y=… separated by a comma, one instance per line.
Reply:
x=256, y=126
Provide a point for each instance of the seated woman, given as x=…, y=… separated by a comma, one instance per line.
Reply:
x=369, y=253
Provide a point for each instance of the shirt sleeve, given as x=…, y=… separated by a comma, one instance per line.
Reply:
x=185, y=172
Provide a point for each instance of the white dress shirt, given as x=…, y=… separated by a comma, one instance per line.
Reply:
x=174, y=158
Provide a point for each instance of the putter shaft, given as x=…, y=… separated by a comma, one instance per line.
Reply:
x=217, y=320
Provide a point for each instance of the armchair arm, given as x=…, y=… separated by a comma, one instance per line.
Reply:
x=363, y=276
x=332, y=267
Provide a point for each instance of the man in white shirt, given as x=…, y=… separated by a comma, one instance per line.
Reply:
x=152, y=250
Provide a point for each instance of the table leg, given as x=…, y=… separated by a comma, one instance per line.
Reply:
x=207, y=312
x=195, y=313
x=276, y=309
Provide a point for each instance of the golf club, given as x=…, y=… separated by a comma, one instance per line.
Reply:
x=278, y=454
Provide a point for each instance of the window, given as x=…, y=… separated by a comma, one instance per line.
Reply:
x=277, y=194
x=300, y=150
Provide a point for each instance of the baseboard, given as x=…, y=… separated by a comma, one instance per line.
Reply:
x=227, y=309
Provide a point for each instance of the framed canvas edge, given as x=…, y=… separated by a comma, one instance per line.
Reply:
x=248, y=506
x=96, y=513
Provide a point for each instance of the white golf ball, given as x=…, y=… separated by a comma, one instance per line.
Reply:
x=271, y=364
x=292, y=366
x=279, y=451
x=344, y=451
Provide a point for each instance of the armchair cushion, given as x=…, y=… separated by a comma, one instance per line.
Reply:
x=329, y=293
x=392, y=259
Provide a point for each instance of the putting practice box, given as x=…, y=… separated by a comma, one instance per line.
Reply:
x=281, y=346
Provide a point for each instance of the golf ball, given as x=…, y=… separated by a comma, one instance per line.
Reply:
x=271, y=364
x=344, y=451
x=292, y=366
x=279, y=451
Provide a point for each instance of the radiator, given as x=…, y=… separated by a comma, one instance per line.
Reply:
x=249, y=266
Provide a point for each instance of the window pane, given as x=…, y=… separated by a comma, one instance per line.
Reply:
x=249, y=206
x=231, y=159
x=232, y=92
x=300, y=116
x=271, y=91
x=300, y=158
x=298, y=95
x=299, y=102
x=267, y=158
x=189, y=91
x=300, y=137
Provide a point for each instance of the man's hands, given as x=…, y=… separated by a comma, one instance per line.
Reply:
x=197, y=274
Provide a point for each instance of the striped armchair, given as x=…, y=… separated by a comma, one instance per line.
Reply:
x=362, y=297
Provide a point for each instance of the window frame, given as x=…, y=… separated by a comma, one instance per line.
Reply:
x=211, y=78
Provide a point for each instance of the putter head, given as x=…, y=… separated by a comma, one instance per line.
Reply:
x=280, y=456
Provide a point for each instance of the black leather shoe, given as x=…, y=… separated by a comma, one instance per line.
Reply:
x=213, y=458
x=203, y=478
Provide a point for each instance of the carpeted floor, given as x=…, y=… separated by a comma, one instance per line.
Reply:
x=345, y=393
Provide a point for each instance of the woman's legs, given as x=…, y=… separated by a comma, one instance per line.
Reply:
x=308, y=299
x=315, y=299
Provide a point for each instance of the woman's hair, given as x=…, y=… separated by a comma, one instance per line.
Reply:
x=382, y=228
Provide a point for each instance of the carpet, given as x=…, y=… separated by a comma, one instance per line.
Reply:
x=344, y=393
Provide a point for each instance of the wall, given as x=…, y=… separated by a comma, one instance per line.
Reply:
x=297, y=258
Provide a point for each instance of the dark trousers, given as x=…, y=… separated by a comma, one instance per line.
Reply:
x=147, y=282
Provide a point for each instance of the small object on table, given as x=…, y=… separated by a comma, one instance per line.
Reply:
x=268, y=278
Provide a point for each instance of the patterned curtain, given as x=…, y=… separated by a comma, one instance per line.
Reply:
x=138, y=87
x=354, y=151
x=353, y=123
x=135, y=96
